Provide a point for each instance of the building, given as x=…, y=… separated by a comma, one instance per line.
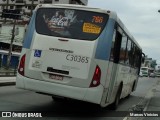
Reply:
x=26, y=6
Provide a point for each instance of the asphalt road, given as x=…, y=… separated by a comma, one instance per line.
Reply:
x=13, y=99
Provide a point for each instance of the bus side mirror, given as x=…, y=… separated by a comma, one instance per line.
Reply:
x=143, y=57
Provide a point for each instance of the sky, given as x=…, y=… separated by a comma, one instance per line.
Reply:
x=141, y=18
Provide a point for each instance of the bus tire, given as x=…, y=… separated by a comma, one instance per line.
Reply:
x=131, y=90
x=57, y=99
x=128, y=96
x=133, y=86
x=117, y=99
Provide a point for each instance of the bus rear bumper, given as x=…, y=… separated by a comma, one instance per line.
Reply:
x=92, y=95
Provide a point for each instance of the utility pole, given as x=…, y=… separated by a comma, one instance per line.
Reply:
x=11, y=46
x=32, y=4
x=12, y=14
x=7, y=4
x=6, y=8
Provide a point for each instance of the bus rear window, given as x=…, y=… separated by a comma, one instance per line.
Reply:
x=68, y=23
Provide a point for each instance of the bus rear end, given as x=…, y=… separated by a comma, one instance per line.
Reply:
x=58, y=55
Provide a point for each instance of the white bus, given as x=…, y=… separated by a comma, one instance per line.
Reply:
x=79, y=52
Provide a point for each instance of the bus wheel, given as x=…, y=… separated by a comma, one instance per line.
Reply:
x=133, y=86
x=129, y=94
x=57, y=99
x=117, y=99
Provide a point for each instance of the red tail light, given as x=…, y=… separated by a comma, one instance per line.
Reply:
x=21, y=65
x=96, y=77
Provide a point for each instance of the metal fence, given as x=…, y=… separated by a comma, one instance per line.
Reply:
x=8, y=72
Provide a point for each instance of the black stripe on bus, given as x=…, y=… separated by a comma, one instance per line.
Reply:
x=50, y=69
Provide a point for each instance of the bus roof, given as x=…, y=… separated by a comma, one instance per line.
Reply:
x=72, y=6
x=126, y=30
x=114, y=16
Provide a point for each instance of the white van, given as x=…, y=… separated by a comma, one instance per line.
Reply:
x=145, y=71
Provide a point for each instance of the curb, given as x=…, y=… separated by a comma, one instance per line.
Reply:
x=7, y=84
x=149, y=96
x=146, y=107
x=7, y=76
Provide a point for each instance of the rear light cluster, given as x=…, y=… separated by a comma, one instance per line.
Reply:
x=96, y=77
x=22, y=65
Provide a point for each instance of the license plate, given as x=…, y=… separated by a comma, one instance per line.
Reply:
x=56, y=77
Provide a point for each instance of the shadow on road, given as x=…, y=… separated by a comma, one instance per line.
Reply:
x=74, y=108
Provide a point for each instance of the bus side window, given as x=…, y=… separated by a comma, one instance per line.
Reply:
x=112, y=48
x=117, y=46
x=137, y=58
x=129, y=53
x=122, y=56
x=132, y=57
